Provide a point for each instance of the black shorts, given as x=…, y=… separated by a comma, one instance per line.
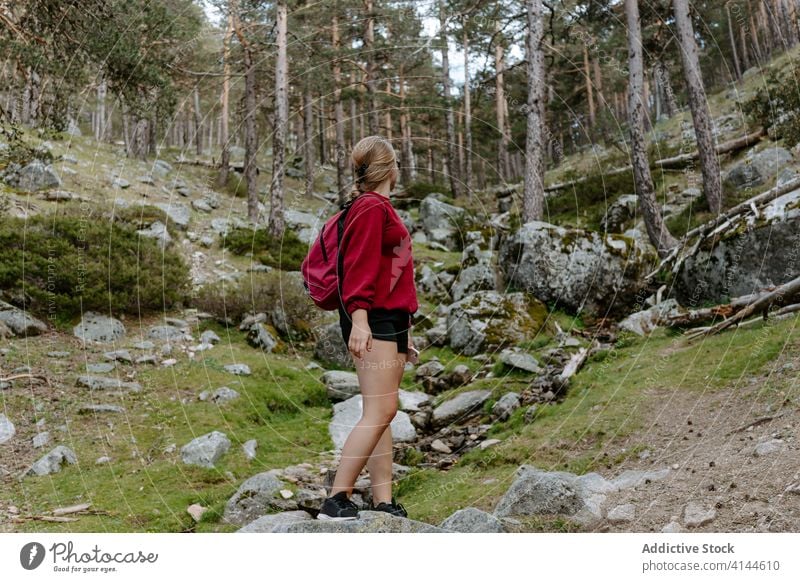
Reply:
x=385, y=324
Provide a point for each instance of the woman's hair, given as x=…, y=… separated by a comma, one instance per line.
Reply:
x=373, y=161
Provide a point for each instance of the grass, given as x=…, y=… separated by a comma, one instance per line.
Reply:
x=580, y=433
x=283, y=406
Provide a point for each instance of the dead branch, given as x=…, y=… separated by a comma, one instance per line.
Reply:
x=733, y=145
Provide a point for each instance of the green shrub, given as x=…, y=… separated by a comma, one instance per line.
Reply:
x=142, y=216
x=261, y=293
x=420, y=190
x=285, y=253
x=61, y=266
x=776, y=105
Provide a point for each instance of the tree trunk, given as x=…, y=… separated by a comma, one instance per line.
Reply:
x=198, y=123
x=250, y=138
x=353, y=114
x=341, y=151
x=100, y=116
x=467, y=115
x=276, y=219
x=657, y=231
x=369, y=42
x=323, y=142
x=308, y=142
x=224, y=138
x=709, y=163
x=533, y=192
x=589, y=92
x=406, y=169
x=736, y=66
x=502, y=154
x=452, y=170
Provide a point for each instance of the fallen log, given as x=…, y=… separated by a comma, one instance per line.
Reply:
x=733, y=145
x=761, y=304
x=720, y=223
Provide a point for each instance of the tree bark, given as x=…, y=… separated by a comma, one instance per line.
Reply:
x=369, y=50
x=701, y=116
x=224, y=138
x=736, y=66
x=452, y=170
x=533, y=190
x=500, y=99
x=341, y=152
x=276, y=219
x=250, y=138
x=407, y=168
x=467, y=114
x=198, y=123
x=308, y=141
x=589, y=92
x=657, y=231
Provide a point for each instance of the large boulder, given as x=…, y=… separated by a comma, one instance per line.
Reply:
x=254, y=498
x=96, y=327
x=35, y=176
x=341, y=384
x=477, y=268
x=578, y=498
x=439, y=219
x=348, y=412
x=19, y=322
x=367, y=522
x=205, y=450
x=752, y=256
x=52, y=461
x=330, y=346
x=758, y=168
x=177, y=213
x=472, y=520
x=579, y=270
x=7, y=429
x=459, y=408
x=305, y=224
x=488, y=320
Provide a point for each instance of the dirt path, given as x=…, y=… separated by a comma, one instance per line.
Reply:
x=715, y=467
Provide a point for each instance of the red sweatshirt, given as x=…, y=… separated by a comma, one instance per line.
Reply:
x=378, y=261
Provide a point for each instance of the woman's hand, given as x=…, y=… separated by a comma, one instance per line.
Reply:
x=413, y=355
x=360, y=334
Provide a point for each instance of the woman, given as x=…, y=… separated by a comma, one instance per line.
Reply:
x=378, y=301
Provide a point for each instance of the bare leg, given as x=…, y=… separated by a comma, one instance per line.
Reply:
x=377, y=373
x=379, y=464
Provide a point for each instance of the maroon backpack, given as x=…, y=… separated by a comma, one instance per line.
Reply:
x=324, y=261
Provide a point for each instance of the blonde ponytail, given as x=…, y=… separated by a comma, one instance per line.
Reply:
x=373, y=160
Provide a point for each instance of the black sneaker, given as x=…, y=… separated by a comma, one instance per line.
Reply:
x=393, y=508
x=338, y=507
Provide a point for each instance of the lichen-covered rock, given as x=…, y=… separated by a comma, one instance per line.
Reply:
x=96, y=327
x=340, y=384
x=460, y=407
x=643, y=322
x=19, y=321
x=579, y=270
x=52, y=461
x=745, y=258
x=254, y=498
x=330, y=346
x=487, y=319
x=205, y=450
x=759, y=167
x=368, y=522
x=477, y=269
x=34, y=176
x=472, y=520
